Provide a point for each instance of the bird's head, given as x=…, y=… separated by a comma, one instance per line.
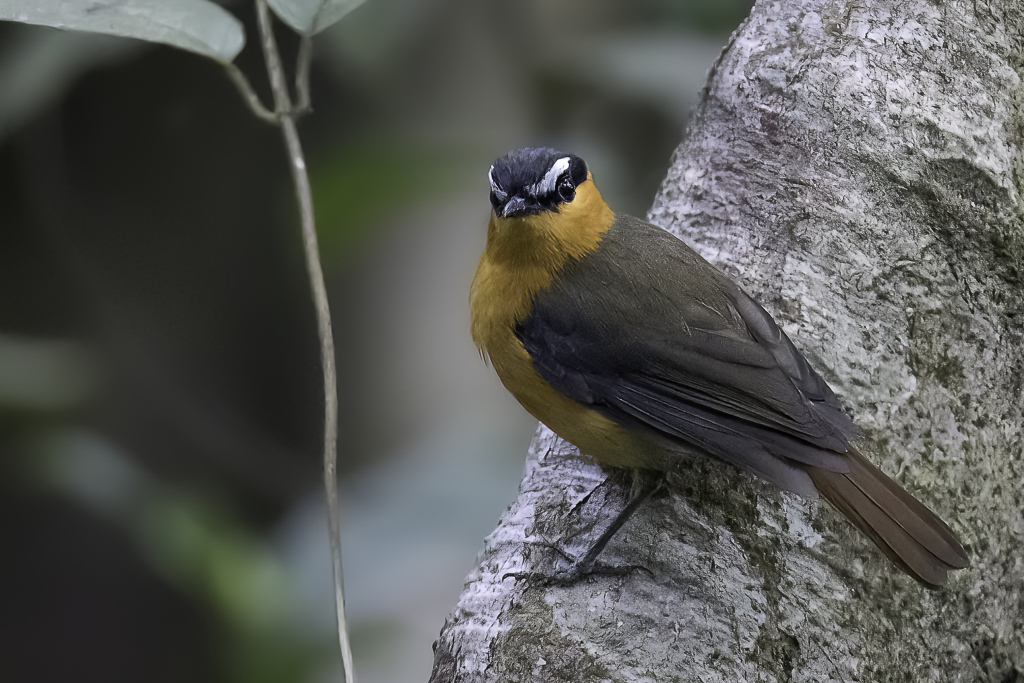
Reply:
x=529, y=181
x=546, y=208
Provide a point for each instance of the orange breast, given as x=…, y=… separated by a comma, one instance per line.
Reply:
x=585, y=428
x=523, y=256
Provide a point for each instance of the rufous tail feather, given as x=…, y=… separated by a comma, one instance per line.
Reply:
x=911, y=535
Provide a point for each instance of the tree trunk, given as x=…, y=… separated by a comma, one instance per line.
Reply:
x=857, y=167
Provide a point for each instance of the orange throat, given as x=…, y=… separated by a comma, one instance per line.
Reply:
x=524, y=255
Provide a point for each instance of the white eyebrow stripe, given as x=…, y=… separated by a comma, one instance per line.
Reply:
x=501, y=194
x=550, y=180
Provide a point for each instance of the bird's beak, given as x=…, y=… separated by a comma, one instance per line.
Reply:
x=513, y=206
x=518, y=206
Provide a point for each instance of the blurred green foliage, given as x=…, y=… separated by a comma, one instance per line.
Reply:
x=360, y=186
x=704, y=17
x=159, y=383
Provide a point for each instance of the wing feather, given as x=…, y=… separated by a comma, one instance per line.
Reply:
x=690, y=356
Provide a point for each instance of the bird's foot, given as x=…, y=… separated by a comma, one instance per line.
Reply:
x=576, y=572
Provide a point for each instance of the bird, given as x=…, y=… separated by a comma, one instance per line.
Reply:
x=629, y=345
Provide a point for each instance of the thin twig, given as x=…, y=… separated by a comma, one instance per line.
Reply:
x=302, y=63
x=297, y=162
x=249, y=94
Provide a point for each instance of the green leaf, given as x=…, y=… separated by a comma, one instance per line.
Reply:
x=309, y=17
x=195, y=25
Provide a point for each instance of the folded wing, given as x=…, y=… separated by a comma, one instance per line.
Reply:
x=649, y=334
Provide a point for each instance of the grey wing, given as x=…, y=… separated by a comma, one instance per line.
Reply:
x=651, y=335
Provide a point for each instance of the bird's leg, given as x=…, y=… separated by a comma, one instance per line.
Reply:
x=642, y=495
x=644, y=487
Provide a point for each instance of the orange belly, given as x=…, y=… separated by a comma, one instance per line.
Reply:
x=594, y=434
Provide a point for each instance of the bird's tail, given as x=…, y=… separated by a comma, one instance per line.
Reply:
x=911, y=535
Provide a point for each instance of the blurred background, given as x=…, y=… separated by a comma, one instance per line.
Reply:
x=161, y=514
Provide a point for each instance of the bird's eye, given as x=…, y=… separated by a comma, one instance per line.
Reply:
x=566, y=191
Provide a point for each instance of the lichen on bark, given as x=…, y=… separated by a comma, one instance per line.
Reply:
x=858, y=167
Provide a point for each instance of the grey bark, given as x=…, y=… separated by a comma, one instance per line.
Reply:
x=858, y=168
